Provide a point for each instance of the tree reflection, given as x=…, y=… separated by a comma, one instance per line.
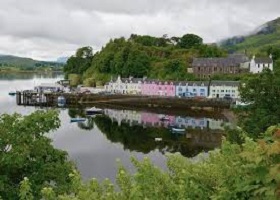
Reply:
x=140, y=139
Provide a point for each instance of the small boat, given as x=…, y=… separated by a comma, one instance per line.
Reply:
x=178, y=130
x=93, y=111
x=164, y=118
x=12, y=93
x=158, y=139
x=77, y=119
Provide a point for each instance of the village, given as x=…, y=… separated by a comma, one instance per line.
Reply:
x=133, y=90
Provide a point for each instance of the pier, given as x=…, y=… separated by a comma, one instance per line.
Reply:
x=32, y=98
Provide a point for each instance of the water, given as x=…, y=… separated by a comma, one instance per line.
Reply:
x=95, y=144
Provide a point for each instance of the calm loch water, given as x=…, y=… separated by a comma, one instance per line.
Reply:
x=95, y=144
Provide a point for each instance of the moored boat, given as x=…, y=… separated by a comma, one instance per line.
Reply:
x=12, y=93
x=164, y=118
x=78, y=119
x=93, y=111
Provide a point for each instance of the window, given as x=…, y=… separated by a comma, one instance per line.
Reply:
x=202, y=90
x=233, y=91
x=213, y=90
x=180, y=89
x=222, y=91
x=194, y=90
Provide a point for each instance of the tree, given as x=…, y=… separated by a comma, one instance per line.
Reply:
x=26, y=152
x=263, y=92
x=250, y=171
x=190, y=40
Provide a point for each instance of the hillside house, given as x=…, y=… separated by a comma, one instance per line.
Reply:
x=257, y=65
x=233, y=64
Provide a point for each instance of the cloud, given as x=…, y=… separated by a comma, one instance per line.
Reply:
x=46, y=29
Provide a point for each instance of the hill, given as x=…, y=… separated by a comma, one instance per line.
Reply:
x=9, y=61
x=158, y=58
x=259, y=41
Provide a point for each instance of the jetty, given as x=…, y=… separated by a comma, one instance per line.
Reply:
x=33, y=98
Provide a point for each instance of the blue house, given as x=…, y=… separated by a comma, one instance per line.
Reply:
x=192, y=89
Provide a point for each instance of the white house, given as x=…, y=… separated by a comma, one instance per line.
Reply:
x=117, y=86
x=221, y=89
x=257, y=65
x=124, y=86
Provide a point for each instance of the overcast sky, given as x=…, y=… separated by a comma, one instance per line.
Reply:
x=47, y=29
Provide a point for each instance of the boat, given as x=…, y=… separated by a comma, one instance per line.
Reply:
x=178, y=130
x=164, y=118
x=93, y=111
x=158, y=139
x=78, y=119
x=12, y=93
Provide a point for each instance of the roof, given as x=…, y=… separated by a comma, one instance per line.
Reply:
x=231, y=60
x=263, y=60
x=192, y=83
x=225, y=83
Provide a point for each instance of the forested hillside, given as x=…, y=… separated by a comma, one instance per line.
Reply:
x=259, y=42
x=160, y=58
x=20, y=63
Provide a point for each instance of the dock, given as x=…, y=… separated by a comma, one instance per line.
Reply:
x=32, y=98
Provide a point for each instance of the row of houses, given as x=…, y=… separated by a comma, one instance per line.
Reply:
x=136, y=86
x=146, y=119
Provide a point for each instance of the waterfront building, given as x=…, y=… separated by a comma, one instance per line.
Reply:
x=257, y=65
x=124, y=86
x=158, y=88
x=192, y=89
x=222, y=89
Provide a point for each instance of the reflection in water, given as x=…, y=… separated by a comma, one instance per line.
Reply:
x=137, y=131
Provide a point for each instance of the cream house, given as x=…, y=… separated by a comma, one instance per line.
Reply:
x=124, y=86
x=221, y=89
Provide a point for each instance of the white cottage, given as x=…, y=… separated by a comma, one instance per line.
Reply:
x=257, y=65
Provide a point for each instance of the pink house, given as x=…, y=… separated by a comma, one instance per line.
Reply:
x=158, y=88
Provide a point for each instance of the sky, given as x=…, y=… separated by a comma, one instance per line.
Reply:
x=48, y=29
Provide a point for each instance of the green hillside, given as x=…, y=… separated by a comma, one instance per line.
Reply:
x=20, y=63
x=263, y=39
x=159, y=58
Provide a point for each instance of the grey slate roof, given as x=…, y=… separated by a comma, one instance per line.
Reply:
x=263, y=60
x=225, y=83
x=231, y=60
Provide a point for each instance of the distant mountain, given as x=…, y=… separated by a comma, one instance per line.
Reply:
x=259, y=40
x=26, y=63
x=62, y=59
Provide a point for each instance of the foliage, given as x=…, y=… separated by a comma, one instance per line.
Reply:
x=80, y=62
x=26, y=152
x=75, y=79
x=141, y=56
x=26, y=64
x=247, y=171
x=189, y=41
x=263, y=91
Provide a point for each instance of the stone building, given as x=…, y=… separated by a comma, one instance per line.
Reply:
x=233, y=64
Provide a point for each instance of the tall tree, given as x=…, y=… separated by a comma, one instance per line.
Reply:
x=26, y=152
x=190, y=40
